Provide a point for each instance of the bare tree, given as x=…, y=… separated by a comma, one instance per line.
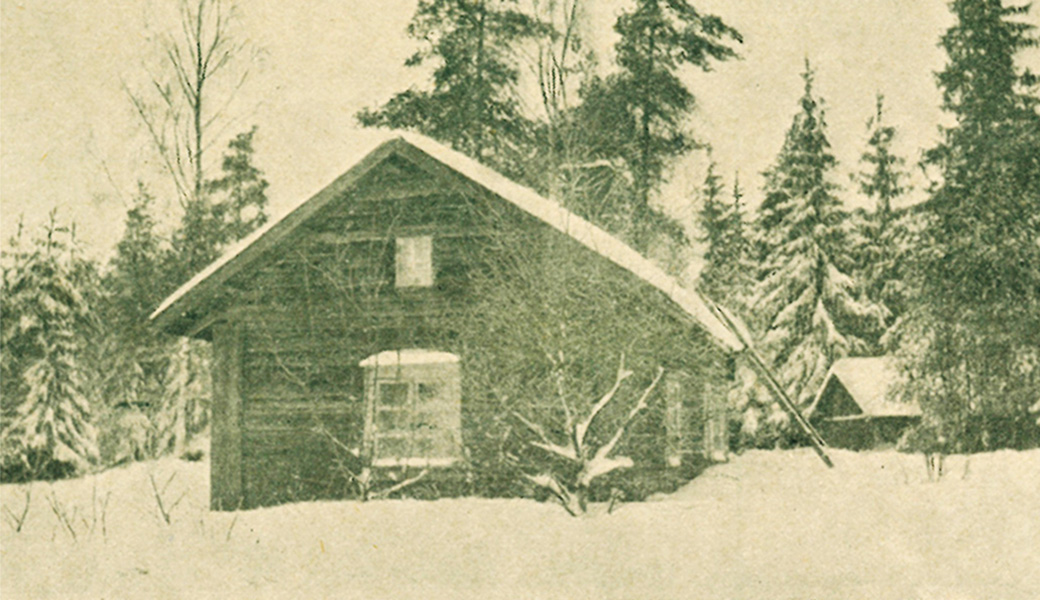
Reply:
x=557, y=58
x=186, y=104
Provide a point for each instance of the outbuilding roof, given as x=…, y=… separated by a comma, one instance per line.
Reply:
x=429, y=154
x=868, y=381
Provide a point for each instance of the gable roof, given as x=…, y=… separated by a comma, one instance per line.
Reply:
x=434, y=157
x=867, y=381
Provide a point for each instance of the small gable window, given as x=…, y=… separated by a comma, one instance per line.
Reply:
x=413, y=257
x=413, y=413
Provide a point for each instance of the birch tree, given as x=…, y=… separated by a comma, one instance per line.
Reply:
x=182, y=107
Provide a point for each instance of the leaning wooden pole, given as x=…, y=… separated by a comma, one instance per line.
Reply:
x=818, y=444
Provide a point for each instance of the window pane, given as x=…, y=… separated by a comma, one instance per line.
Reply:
x=393, y=394
x=422, y=447
x=388, y=447
x=392, y=420
x=414, y=261
x=431, y=396
x=442, y=445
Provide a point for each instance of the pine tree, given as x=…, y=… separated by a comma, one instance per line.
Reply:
x=472, y=104
x=809, y=305
x=240, y=196
x=47, y=318
x=229, y=208
x=639, y=112
x=971, y=340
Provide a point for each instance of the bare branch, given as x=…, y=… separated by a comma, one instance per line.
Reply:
x=399, y=486
x=601, y=465
x=583, y=426
x=322, y=430
x=605, y=450
x=18, y=521
x=164, y=511
x=157, y=138
x=562, y=451
x=546, y=444
x=548, y=482
x=61, y=513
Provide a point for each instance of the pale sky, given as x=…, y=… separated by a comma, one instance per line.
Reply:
x=68, y=137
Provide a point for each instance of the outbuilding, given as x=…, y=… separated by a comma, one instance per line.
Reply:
x=855, y=407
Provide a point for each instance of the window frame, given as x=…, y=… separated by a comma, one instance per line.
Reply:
x=440, y=428
x=413, y=262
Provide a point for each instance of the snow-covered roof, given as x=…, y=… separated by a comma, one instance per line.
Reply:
x=867, y=381
x=420, y=148
x=410, y=356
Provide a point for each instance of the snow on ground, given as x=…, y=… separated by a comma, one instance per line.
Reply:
x=767, y=524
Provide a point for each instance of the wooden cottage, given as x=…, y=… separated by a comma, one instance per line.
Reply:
x=350, y=335
x=854, y=408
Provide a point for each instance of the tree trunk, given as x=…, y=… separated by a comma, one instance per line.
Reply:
x=478, y=98
x=643, y=182
x=200, y=80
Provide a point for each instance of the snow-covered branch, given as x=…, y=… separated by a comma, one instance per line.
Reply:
x=573, y=493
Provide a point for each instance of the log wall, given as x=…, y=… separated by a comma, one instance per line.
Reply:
x=289, y=402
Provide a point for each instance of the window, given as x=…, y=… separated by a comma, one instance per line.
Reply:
x=414, y=261
x=413, y=411
x=674, y=422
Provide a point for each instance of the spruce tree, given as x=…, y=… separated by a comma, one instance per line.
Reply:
x=808, y=304
x=971, y=340
x=724, y=277
x=135, y=278
x=472, y=105
x=878, y=233
x=48, y=316
x=883, y=179
x=133, y=353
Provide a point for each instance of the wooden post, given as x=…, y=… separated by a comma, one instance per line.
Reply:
x=226, y=441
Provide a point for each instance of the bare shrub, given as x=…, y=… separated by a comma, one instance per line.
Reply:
x=588, y=458
x=61, y=511
x=17, y=520
x=162, y=502
x=359, y=473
